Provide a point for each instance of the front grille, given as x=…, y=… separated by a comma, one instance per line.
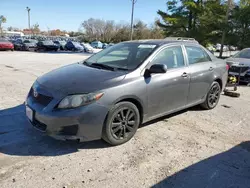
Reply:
x=40, y=98
x=236, y=69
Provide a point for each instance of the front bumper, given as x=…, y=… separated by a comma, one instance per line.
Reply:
x=83, y=123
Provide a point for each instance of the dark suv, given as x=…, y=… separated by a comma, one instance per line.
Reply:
x=112, y=92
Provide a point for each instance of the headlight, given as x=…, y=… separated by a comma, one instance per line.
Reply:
x=74, y=101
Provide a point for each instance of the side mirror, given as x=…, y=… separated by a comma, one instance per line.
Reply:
x=158, y=69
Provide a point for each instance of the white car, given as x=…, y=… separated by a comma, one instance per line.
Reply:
x=87, y=47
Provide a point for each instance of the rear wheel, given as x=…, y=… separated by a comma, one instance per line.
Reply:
x=121, y=124
x=213, y=96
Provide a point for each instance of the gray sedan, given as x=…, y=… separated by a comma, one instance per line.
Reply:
x=114, y=91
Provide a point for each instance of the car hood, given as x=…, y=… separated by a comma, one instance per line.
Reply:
x=238, y=61
x=78, y=78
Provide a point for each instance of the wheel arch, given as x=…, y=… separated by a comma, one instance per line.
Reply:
x=136, y=101
x=219, y=80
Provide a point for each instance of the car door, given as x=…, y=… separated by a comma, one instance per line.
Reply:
x=201, y=70
x=168, y=92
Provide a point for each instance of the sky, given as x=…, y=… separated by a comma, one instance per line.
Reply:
x=68, y=15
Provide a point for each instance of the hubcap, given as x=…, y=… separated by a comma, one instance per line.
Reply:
x=123, y=123
x=213, y=96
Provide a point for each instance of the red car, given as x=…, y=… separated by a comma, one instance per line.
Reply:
x=6, y=45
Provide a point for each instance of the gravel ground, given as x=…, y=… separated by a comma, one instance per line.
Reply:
x=193, y=148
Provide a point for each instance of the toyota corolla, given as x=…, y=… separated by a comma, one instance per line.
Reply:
x=112, y=92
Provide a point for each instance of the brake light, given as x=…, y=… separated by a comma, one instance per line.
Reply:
x=227, y=67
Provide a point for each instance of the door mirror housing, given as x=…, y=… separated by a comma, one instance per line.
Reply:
x=158, y=69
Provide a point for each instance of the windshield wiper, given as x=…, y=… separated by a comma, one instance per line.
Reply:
x=102, y=66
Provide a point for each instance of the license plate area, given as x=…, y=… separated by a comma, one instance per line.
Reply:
x=29, y=113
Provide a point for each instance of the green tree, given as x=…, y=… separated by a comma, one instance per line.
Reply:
x=2, y=20
x=193, y=18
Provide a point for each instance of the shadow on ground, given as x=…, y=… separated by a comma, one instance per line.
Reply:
x=18, y=137
x=230, y=169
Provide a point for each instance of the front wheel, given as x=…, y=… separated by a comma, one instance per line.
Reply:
x=121, y=124
x=212, y=97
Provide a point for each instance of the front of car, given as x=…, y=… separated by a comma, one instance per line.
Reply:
x=6, y=45
x=68, y=104
x=29, y=44
x=240, y=64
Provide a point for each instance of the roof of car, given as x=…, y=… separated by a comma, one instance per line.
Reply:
x=163, y=41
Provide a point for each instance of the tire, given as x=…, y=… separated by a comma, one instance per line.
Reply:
x=213, y=96
x=123, y=117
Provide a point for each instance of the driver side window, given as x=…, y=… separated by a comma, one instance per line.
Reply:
x=171, y=56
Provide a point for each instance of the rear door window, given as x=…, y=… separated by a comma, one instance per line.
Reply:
x=196, y=55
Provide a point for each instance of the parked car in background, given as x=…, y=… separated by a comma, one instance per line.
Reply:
x=47, y=45
x=74, y=46
x=218, y=47
x=61, y=44
x=104, y=45
x=87, y=48
x=25, y=45
x=112, y=92
x=232, y=48
x=110, y=44
x=6, y=45
x=241, y=60
x=96, y=44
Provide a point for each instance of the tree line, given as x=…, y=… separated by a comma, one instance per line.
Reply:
x=205, y=20
x=110, y=31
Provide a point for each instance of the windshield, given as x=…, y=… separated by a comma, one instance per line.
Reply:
x=48, y=42
x=30, y=41
x=124, y=55
x=243, y=54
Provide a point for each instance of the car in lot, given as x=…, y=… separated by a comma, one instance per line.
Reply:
x=97, y=44
x=61, y=44
x=6, y=45
x=25, y=45
x=112, y=92
x=47, y=45
x=87, y=48
x=240, y=65
x=73, y=46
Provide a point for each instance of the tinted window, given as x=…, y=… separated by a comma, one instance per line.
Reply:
x=243, y=54
x=171, y=56
x=197, y=55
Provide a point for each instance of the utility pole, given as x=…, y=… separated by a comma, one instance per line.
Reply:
x=28, y=9
x=225, y=29
x=132, y=19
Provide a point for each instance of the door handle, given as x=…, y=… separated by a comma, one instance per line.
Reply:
x=184, y=75
x=211, y=68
